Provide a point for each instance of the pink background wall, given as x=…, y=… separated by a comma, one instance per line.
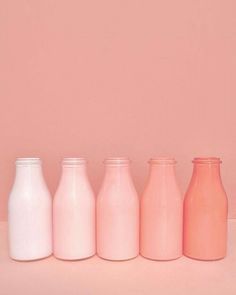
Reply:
x=102, y=78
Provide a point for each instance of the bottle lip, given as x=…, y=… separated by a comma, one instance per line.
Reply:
x=27, y=161
x=207, y=160
x=117, y=161
x=162, y=161
x=68, y=162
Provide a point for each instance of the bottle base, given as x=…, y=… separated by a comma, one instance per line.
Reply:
x=74, y=259
x=161, y=259
x=117, y=260
x=205, y=259
x=30, y=259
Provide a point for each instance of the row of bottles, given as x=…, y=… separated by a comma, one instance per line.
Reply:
x=117, y=225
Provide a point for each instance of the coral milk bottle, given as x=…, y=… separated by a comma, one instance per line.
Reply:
x=205, y=212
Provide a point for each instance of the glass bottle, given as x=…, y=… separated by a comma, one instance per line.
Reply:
x=205, y=212
x=161, y=212
x=74, y=212
x=117, y=213
x=29, y=212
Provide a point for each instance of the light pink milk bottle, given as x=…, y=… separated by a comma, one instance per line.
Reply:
x=74, y=212
x=29, y=213
x=117, y=213
x=205, y=212
x=161, y=212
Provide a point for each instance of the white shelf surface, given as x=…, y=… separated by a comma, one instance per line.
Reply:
x=96, y=276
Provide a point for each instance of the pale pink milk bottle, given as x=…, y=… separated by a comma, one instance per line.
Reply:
x=117, y=213
x=205, y=212
x=74, y=212
x=161, y=212
x=29, y=213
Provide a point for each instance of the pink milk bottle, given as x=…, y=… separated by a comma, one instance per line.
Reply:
x=29, y=212
x=74, y=212
x=117, y=213
x=205, y=212
x=161, y=212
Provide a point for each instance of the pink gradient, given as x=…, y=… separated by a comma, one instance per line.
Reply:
x=205, y=212
x=161, y=212
x=101, y=78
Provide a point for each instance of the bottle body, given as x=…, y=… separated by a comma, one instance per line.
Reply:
x=117, y=213
x=161, y=213
x=205, y=212
x=74, y=213
x=29, y=213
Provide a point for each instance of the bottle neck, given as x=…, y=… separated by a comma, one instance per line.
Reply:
x=206, y=171
x=161, y=168
x=26, y=174
x=157, y=170
x=161, y=172
x=69, y=172
x=117, y=171
x=73, y=169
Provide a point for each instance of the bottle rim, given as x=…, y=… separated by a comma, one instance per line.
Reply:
x=28, y=161
x=162, y=161
x=207, y=160
x=117, y=161
x=74, y=161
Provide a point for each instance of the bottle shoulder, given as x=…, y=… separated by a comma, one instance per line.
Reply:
x=76, y=193
x=116, y=192
x=78, y=187
x=198, y=192
x=25, y=198
x=162, y=192
x=29, y=189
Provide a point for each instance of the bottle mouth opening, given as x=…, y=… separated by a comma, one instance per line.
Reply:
x=73, y=161
x=28, y=161
x=162, y=161
x=117, y=161
x=207, y=160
